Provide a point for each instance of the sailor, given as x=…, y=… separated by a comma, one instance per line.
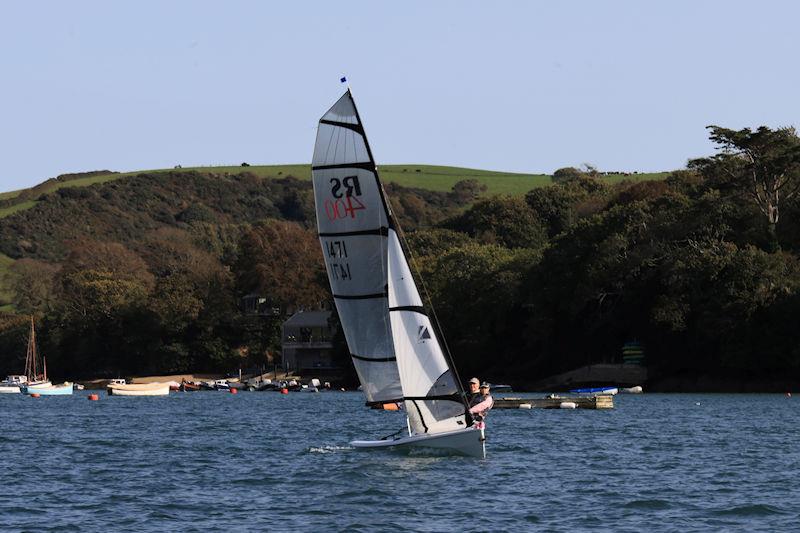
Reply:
x=474, y=395
x=480, y=409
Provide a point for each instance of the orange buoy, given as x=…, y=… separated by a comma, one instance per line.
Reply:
x=94, y=397
x=35, y=395
x=234, y=391
x=391, y=407
x=284, y=391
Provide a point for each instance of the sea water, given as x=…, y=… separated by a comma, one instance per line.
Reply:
x=203, y=461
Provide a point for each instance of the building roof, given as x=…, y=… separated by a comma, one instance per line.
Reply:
x=308, y=319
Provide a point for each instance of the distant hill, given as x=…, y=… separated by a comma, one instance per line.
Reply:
x=42, y=221
x=435, y=178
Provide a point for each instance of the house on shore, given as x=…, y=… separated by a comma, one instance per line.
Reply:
x=307, y=343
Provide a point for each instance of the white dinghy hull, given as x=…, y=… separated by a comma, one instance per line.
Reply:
x=469, y=442
x=138, y=389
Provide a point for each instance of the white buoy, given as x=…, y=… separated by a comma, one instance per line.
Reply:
x=525, y=406
x=568, y=405
x=633, y=390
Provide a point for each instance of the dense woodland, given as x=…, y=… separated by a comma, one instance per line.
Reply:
x=145, y=274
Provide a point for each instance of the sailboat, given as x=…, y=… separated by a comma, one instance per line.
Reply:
x=397, y=353
x=35, y=369
x=37, y=382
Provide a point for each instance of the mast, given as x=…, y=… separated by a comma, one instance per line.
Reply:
x=31, y=357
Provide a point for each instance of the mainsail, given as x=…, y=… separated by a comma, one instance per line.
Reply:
x=394, y=347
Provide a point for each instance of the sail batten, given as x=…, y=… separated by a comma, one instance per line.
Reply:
x=400, y=358
x=363, y=166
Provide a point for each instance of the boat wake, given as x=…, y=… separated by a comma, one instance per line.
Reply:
x=329, y=449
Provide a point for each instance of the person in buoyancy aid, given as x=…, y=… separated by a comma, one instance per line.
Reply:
x=474, y=394
x=480, y=409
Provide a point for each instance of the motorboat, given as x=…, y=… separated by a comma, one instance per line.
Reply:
x=12, y=384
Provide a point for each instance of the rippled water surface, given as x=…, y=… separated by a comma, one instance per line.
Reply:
x=257, y=461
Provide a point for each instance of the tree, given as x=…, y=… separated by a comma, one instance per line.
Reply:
x=566, y=174
x=556, y=206
x=434, y=241
x=468, y=190
x=475, y=292
x=31, y=283
x=100, y=279
x=507, y=221
x=283, y=262
x=765, y=163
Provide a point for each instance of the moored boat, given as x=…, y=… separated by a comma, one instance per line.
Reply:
x=39, y=384
x=12, y=384
x=35, y=370
x=596, y=390
x=65, y=389
x=36, y=381
x=221, y=384
x=138, y=389
x=187, y=386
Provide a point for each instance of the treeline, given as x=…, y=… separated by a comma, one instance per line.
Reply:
x=700, y=268
x=146, y=274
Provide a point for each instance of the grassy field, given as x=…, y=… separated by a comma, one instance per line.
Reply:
x=422, y=176
x=437, y=178
x=10, y=194
x=5, y=211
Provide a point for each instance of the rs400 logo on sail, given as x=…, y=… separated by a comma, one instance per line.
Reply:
x=345, y=192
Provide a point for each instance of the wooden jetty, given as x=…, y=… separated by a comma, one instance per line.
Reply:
x=603, y=401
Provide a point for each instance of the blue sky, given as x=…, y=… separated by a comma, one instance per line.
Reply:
x=518, y=86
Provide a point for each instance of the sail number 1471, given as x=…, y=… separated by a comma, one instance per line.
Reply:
x=339, y=267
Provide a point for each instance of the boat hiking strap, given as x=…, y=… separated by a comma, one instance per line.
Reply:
x=387, y=437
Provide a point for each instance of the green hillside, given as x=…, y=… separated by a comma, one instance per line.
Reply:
x=38, y=222
x=435, y=178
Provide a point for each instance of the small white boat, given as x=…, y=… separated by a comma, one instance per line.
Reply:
x=221, y=384
x=13, y=384
x=632, y=390
x=40, y=384
x=138, y=389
